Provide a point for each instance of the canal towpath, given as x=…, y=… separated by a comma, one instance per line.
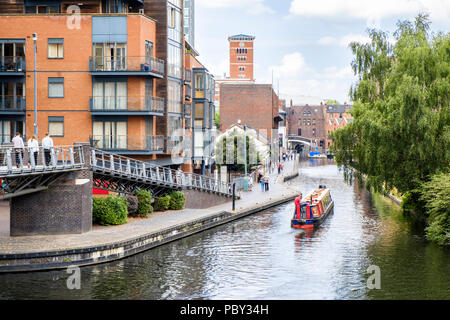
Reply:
x=110, y=236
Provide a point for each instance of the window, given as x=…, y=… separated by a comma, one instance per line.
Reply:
x=110, y=95
x=299, y=122
x=110, y=134
x=314, y=122
x=56, y=126
x=56, y=87
x=55, y=48
x=299, y=131
x=314, y=131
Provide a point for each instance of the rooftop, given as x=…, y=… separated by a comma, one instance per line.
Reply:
x=241, y=37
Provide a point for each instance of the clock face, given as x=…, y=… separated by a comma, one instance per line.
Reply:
x=241, y=44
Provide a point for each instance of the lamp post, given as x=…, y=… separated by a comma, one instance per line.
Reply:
x=35, y=88
x=245, y=157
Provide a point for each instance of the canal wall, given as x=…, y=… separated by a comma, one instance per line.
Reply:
x=45, y=260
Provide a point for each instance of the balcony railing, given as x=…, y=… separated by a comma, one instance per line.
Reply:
x=132, y=104
x=175, y=144
x=187, y=109
x=187, y=75
x=124, y=143
x=12, y=64
x=12, y=104
x=124, y=64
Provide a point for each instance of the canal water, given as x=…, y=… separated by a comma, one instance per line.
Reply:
x=261, y=257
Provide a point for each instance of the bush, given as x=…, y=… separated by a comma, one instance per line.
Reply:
x=144, y=203
x=177, y=200
x=162, y=203
x=111, y=210
x=133, y=205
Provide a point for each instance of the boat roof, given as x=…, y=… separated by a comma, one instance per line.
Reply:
x=316, y=194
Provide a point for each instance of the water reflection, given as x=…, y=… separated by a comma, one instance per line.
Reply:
x=261, y=257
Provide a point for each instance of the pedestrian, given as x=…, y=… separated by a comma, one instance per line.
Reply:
x=266, y=183
x=18, y=148
x=33, y=147
x=279, y=168
x=262, y=184
x=47, y=145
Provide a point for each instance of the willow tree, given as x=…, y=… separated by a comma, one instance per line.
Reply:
x=400, y=133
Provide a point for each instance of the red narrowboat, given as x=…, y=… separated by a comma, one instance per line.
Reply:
x=313, y=209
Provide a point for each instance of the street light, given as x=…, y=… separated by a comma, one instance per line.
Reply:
x=245, y=157
x=35, y=88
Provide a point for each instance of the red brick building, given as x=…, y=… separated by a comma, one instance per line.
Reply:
x=256, y=105
x=308, y=122
x=337, y=116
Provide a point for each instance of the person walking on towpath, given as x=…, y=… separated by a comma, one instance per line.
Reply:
x=18, y=146
x=266, y=183
x=47, y=145
x=262, y=183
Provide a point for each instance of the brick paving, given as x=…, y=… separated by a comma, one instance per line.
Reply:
x=104, y=235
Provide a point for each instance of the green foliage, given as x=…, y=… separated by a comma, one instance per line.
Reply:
x=162, y=203
x=177, y=200
x=400, y=134
x=144, y=203
x=111, y=210
x=331, y=102
x=217, y=120
x=435, y=193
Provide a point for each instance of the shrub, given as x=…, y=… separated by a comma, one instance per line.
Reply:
x=177, y=200
x=144, y=203
x=162, y=203
x=133, y=205
x=111, y=210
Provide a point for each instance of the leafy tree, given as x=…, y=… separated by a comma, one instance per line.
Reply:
x=217, y=120
x=400, y=135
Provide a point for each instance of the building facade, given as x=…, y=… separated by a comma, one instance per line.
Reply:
x=337, y=116
x=109, y=72
x=308, y=122
x=256, y=105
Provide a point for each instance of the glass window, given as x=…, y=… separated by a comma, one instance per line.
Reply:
x=56, y=126
x=56, y=48
x=56, y=87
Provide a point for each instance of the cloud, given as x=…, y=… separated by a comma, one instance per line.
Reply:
x=298, y=80
x=370, y=10
x=255, y=7
x=344, y=41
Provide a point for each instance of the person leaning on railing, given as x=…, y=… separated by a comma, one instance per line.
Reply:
x=18, y=146
x=47, y=145
x=33, y=146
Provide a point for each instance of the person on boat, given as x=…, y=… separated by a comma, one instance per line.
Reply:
x=297, y=202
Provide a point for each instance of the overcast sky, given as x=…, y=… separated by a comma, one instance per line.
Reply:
x=304, y=42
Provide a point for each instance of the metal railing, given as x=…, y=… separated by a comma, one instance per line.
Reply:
x=112, y=164
x=37, y=159
x=128, y=143
x=12, y=64
x=187, y=109
x=12, y=103
x=126, y=63
x=126, y=103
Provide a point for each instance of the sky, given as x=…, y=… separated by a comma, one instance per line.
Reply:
x=304, y=43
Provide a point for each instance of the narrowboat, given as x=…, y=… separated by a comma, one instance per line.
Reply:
x=313, y=209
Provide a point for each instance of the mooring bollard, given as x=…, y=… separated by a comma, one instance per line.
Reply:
x=234, y=196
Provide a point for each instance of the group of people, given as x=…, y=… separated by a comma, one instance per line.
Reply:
x=33, y=148
x=263, y=180
x=288, y=156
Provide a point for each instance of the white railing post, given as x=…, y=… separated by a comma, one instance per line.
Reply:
x=128, y=167
x=71, y=155
x=53, y=156
x=111, y=162
x=93, y=158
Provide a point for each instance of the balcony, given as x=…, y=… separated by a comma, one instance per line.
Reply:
x=187, y=76
x=187, y=110
x=12, y=66
x=130, y=105
x=128, y=66
x=14, y=105
x=142, y=145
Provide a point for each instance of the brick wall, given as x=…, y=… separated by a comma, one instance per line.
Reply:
x=255, y=105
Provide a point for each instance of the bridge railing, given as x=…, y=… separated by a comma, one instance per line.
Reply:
x=37, y=159
x=114, y=164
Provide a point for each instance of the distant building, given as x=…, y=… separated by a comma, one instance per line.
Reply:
x=308, y=122
x=337, y=116
x=256, y=105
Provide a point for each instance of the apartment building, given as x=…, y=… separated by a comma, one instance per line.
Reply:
x=110, y=72
x=337, y=116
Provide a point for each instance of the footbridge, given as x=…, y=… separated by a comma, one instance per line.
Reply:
x=51, y=190
x=299, y=139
